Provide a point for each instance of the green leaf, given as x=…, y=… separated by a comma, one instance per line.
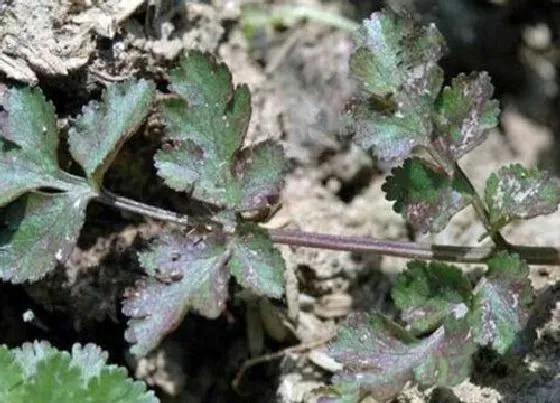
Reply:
x=426, y=197
x=501, y=302
x=38, y=230
x=205, y=132
x=463, y=113
x=102, y=129
x=396, y=63
x=10, y=378
x=188, y=272
x=380, y=357
x=28, y=144
x=39, y=373
x=518, y=193
x=427, y=293
x=255, y=263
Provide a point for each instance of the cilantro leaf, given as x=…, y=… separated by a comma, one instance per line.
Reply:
x=102, y=129
x=427, y=293
x=501, y=302
x=518, y=193
x=396, y=63
x=463, y=113
x=28, y=144
x=205, y=130
x=38, y=230
x=390, y=51
x=426, y=198
x=255, y=263
x=193, y=274
x=38, y=372
x=380, y=357
x=451, y=363
x=189, y=272
x=11, y=377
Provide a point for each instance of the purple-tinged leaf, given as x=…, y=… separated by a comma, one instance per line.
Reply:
x=39, y=230
x=205, y=132
x=501, y=302
x=380, y=357
x=188, y=273
x=518, y=193
x=451, y=363
x=103, y=127
x=396, y=64
x=260, y=171
x=428, y=293
x=255, y=263
x=426, y=198
x=464, y=113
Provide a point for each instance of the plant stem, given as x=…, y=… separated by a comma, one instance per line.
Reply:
x=254, y=16
x=481, y=212
x=411, y=250
x=123, y=203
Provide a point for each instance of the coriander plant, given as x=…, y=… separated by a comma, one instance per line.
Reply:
x=405, y=117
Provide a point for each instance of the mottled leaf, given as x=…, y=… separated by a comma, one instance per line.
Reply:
x=28, y=144
x=427, y=293
x=426, y=198
x=451, y=363
x=255, y=263
x=103, y=127
x=395, y=61
x=205, y=132
x=463, y=113
x=38, y=230
x=519, y=193
x=501, y=302
x=39, y=373
x=188, y=272
x=380, y=357
x=393, y=53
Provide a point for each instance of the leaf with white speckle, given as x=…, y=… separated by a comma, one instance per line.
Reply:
x=395, y=62
x=191, y=273
x=255, y=263
x=428, y=293
x=464, y=113
x=187, y=273
x=516, y=192
x=380, y=357
x=501, y=302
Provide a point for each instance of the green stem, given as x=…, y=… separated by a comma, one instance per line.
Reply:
x=253, y=16
x=156, y=213
x=481, y=212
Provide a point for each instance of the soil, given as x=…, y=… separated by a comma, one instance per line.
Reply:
x=298, y=75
